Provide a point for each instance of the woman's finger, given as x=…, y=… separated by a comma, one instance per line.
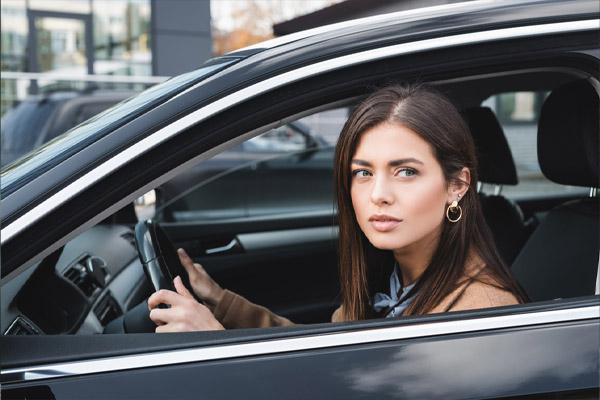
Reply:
x=160, y=316
x=186, y=261
x=165, y=328
x=162, y=296
x=180, y=288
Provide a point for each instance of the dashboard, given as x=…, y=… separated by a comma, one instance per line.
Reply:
x=93, y=280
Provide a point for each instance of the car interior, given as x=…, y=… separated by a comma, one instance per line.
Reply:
x=281, y=255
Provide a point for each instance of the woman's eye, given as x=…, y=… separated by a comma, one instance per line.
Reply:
x=361, y=173
x=407, y=172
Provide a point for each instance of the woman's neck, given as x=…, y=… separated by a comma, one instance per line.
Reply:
x=414, y=260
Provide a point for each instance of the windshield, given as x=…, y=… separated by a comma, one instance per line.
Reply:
x=52, y=153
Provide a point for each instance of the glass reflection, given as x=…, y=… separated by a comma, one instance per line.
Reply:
x=61, y=45
x=70, y=6
x=14, y=30
x=122, y=37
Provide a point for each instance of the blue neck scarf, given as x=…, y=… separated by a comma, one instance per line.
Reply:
x=383, y=301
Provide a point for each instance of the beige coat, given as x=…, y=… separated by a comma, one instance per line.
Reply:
x=476, y=290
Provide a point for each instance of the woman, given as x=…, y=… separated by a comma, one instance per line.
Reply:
x=413, y=239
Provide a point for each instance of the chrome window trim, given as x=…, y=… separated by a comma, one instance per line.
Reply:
x=256, y=89
x=278, y=346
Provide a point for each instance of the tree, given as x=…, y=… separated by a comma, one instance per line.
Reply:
x=254, y=20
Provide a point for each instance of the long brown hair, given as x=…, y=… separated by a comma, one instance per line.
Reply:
x=365, y=269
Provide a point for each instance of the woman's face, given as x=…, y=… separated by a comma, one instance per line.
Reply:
x=398, y=190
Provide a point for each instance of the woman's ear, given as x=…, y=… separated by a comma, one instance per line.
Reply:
x=460, y=185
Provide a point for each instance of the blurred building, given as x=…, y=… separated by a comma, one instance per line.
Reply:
x=351, y=9
x=79, y=38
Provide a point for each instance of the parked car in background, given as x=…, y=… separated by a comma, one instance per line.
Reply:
x=41, y=118
x=73, y=311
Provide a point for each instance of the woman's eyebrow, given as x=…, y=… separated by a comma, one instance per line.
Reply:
x=362, y=163
x=393, y=163
x=402, y=161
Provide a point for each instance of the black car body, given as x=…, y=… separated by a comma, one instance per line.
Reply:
x=68, y=205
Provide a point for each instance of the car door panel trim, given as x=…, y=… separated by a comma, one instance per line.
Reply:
x=278, y=346
x=288, y=237
x=165, y=133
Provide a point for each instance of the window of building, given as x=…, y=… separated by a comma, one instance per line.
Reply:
x=122, y=37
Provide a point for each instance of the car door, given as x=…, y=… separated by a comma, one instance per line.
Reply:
x=530, y=351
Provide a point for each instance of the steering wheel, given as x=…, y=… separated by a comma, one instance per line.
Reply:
x=161, y=264
x=158, y=256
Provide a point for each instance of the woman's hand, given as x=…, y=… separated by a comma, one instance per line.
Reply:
x=185, y=314
x=202, y=284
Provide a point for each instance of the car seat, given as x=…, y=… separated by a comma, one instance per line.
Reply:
x=496, y=166
x=560, y=260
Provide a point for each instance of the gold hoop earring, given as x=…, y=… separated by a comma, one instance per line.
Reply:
x=454, y=208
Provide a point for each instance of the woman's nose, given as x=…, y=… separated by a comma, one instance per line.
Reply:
x=381, y=193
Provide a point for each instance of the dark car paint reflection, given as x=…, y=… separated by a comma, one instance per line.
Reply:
x=469, y=366
x=478, y=366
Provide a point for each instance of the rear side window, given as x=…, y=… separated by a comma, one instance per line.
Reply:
x=518, y=114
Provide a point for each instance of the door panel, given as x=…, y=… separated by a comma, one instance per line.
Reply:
x=491, y=364
x=291, y=271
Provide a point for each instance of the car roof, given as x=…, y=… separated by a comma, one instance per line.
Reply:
x=478, y=13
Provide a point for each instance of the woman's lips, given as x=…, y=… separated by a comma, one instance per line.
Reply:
x=384, y=223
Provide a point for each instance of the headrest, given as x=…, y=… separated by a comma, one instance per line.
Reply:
x=568, y=134
x=496, y=164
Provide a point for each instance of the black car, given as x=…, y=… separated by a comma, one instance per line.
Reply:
x=40, y=118
x=73, y=287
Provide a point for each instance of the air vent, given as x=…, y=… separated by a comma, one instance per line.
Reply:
x=78, y=274
x=21, y=326
x=107, y=310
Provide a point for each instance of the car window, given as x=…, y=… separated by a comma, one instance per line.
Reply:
x=64, y=146
x=286, y=170
x=518, y=114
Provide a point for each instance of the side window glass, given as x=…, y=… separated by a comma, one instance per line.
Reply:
x=286, y=170
x=518, y=113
